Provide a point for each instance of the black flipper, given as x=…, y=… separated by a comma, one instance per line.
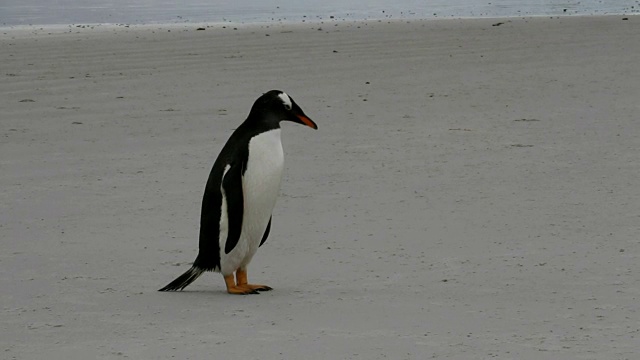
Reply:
x=232, y=186
x=266, y=232
x=183, y=280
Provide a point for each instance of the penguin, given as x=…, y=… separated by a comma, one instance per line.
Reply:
x=240, y=195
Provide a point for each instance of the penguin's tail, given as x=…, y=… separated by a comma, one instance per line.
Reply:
x=184, y=280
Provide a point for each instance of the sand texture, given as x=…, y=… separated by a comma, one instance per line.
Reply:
x=472, y=191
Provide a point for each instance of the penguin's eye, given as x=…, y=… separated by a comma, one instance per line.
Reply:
x=287, y=106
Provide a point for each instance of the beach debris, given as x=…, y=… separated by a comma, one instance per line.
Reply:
x=497, y=24
x=526, y=120
x=460, y=129
x=76, y=123
x=521, y=145
x=27, y=100
x=200, y=29
x=625, y=18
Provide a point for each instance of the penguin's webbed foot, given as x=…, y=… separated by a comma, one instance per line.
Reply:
x=255, y=287
x=241, y=285
x=236, y=290
x=243, y=288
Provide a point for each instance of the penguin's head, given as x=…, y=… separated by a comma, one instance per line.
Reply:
x=278, y=104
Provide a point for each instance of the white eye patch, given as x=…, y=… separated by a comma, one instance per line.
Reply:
x=286, y=100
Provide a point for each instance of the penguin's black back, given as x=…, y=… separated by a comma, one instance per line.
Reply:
x=235, y=151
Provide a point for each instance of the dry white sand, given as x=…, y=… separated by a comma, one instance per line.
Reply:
x=472, y=191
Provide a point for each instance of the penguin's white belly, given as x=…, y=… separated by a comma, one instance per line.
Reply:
x=260, y=187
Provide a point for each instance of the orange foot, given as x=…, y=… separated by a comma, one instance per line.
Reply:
x=255, y=287
x=232, y=288
x=243, y=283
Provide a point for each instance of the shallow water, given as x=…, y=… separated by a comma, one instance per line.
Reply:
x=41, y=12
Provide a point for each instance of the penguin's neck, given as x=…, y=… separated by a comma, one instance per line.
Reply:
x=264, y=121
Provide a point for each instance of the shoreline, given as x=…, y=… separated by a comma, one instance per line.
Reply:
x=69, y=28
x=198, y=12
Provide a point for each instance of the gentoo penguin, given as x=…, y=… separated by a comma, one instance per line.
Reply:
x=241, y=193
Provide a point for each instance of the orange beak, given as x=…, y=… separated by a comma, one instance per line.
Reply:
x=305, y=120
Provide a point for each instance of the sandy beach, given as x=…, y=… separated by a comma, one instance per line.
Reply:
x=472, y=191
